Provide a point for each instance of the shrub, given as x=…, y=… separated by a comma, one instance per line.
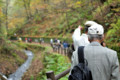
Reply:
x=114, y=33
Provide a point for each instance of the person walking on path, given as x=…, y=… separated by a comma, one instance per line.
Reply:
x=58, y=45
x=65, y=46
x=20, y=39
x=51, y=41
x=81, y=39
x=102, y=61
x=26, y=40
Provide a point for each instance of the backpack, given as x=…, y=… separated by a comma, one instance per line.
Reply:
x=81, y=71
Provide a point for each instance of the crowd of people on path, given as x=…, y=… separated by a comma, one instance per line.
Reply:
x=102, y=62
x=30, y=40
x=58, y=45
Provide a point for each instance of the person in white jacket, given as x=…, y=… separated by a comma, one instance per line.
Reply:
x=81, y=39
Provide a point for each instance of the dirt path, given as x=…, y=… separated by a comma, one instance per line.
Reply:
x=45, y=45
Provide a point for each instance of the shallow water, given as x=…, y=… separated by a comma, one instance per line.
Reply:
x=23, y=68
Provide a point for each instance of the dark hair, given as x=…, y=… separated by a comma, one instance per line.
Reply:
x=102, y=43
x=86, y=28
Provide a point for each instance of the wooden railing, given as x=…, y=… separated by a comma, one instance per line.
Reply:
x=50, y=75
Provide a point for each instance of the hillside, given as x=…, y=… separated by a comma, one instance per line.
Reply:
x=60, y=18
x=11, y=57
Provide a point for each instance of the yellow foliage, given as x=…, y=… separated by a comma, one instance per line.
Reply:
x=15, y=21
x=0, y=10
x=35, y=3
x=117, y=10
x=57, y=1
x=78, y=2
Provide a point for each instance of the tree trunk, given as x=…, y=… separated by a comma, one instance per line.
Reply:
x=29, y=9
x=26, y=9
x=6, y=13
x=65, y=6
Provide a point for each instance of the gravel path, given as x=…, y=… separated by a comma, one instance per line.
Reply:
x=22, y=69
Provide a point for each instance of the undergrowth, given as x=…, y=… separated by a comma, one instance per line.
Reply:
x=29, y=46
x=55, y=62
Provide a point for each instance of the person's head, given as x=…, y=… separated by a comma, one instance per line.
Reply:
x=96, y=33
x=89, y=24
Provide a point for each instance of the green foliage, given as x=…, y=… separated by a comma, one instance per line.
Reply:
x=116, y=48
x=33, y=30
x=12, y=31
x=32, y=78
x=9, y=49
x=37, y=18
x=56, y=63
x=1, y=1
x=113, y=1
x=32, y=47
x=35, y=47
x=18, y=59
x=77, y=4
x=109, y=14
x=3, y=32
x=73, y=21
x=61, y=26
x=6, y=47
x=21, y=45
x=114, y=32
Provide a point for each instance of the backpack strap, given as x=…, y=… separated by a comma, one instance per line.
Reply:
x=81, y=54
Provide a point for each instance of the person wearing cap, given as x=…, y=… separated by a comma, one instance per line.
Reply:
x=81, y=39
x=102, y=61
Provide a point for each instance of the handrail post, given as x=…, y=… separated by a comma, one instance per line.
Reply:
x=57, y=77
x=50, y=75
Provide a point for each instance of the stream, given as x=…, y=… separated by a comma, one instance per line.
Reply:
x=23, y=68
